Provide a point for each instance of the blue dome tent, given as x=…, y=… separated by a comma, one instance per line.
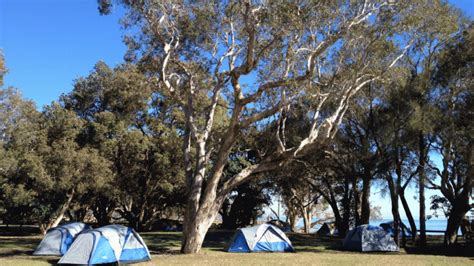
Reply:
x=369, y=238
x=58, y=239
x=108, y=244
x=260, y=238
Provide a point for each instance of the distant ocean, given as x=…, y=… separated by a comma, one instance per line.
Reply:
x=432, y=224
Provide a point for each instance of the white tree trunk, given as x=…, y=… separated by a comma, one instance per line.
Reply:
x=55, y=222
x=194, y=233
x=196, y=227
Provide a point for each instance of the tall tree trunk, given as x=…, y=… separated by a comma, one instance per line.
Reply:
x=292, y=220
x=195, y=229
x=365, y=204
x=421, y=185
x=459, y=209
x=306, y=211
x=395, y=212
x=331, y=199
x=340, y=225
x=409, y=215
x=194, y=233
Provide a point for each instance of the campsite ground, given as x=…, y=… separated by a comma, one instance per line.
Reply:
x=16, y=249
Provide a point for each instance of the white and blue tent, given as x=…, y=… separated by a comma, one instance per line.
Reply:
x=58, y=239
x=367, y=238
x=260, y=238
x=107, y=244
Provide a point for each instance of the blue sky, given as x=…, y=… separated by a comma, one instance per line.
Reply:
x=49, y=43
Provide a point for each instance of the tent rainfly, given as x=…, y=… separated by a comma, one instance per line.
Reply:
x=369, y=238
x=107, y=244
x=58, y=239
x=260, y=238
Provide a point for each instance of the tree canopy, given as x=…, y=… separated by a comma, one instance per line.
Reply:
x=221, y=105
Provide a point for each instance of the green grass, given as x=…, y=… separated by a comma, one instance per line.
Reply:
x=310, y=250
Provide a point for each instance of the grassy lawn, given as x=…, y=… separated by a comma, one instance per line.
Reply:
x=310, y=250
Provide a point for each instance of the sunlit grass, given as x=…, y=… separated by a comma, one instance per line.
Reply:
x=310, y=250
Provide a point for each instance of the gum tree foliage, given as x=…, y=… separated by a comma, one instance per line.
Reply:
x=293, y=183
x=44, y=170
x=245, y=203
x=137, y=130
x=254, y=59
x=18, y=119
x=70, y=171
x=300, y=200
x=453, y=81
x=442, y=23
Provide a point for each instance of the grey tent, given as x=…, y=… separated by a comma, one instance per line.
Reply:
x=327, y=229
x=260, y=238
x=107, y=244
x=369, y=238
x=58, y=239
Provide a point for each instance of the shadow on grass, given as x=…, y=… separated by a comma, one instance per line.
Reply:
x=28, y=254
x=50, y=261
x=16, y=252
x=314, y=243
x=17, y=230
x=11, y=242
x=456, y=250
x=162, y=242
x=217, y=240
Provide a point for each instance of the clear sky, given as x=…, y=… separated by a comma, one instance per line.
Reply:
x=49, y=43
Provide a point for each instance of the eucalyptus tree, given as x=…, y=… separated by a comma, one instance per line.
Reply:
x=338, y=192
x=18, y=132
x=441, y=24
x=245, y=203
x=357, y=154
x=455, y=128
x=67, y=171
x=298, y=196
x=44, y=169
x=256, y=59
x=393, y=138
x=293, y=183
x=133, y=126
